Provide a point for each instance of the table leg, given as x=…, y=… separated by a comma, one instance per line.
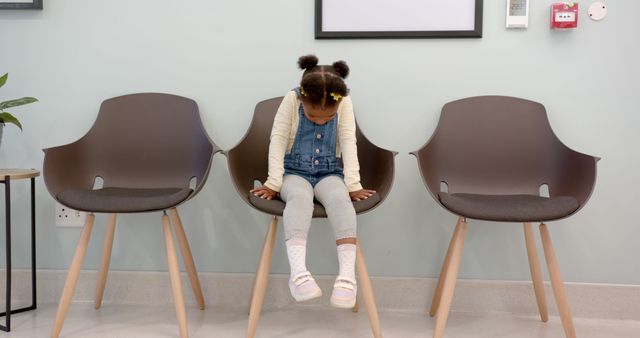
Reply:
x=7, y=196
x=34, y=293
x=8, y=312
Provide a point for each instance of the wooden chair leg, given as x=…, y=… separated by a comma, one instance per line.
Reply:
x=536, y=273
x=189, y=264
x=556, y=283
x=435, y=302
x=367, y=292
x=174, y=273
x=262, y=275
x=261, y=261
x=106, y=259
x=356, y=306
x=72, y=276
x=253, y=289
x=449, y=284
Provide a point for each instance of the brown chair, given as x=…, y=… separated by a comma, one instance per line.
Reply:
x=147, y=149
x=248, y=163
x=489, y=159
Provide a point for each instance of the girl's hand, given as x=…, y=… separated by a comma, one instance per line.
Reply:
x=264, y=193
x=360, y=195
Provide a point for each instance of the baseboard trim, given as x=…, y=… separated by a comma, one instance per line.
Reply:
x=603, y=301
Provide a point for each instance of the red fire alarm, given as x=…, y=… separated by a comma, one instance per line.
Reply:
x=564, y=15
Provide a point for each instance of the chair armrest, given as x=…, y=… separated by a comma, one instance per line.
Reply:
x=244, y=170
x=430, y=168
x=377, y=168
x=65, y=168
x=575, y=176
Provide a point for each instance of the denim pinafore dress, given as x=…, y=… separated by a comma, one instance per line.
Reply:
x=313, y=154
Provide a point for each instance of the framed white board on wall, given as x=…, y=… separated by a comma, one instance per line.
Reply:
x=20, y=4
x=348, y=19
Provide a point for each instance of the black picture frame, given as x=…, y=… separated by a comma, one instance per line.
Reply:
x=34, y=4
x=320, y=33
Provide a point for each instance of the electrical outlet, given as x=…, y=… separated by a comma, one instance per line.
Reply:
x=66, y=217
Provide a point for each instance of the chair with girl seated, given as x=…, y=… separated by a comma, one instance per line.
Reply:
x=248, y=162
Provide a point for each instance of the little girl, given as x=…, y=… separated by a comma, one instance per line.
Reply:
x=313, y=128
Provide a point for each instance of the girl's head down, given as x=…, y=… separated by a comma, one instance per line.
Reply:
x=322, y=87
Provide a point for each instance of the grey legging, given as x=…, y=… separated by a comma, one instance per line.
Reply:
x=331, y=192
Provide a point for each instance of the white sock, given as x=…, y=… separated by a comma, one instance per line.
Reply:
x=347, y=260
x=296, y=251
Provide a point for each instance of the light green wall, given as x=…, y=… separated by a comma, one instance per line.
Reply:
x=228, y=55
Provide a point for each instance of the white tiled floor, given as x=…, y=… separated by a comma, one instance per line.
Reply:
x=295, y=321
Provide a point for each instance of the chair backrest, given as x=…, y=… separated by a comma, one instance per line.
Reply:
x=500, y=145
x=146, y=140
x=248, y=161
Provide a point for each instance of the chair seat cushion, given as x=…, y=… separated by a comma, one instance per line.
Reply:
x=123, y=199
x=509, y=208
x=276, y=207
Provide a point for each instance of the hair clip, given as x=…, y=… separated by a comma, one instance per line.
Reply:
x=335, y=96
x=302, y=92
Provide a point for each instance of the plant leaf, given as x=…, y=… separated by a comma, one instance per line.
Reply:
x=8, y=118
x=3, y=79
x=17, y=102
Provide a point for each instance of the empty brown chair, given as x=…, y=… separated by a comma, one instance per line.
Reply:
x=248, y=163
x=491, y=155
x=147, y=149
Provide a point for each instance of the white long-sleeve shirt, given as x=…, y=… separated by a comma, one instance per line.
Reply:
x=283, y=134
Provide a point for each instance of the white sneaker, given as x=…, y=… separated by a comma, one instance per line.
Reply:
x=303, y=287
x=344, y=293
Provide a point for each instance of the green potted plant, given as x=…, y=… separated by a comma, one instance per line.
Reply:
x=6, y=117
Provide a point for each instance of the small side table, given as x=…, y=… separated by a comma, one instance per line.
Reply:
x=6, y=176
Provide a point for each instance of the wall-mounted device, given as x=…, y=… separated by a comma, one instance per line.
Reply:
x=597, y=11
x=564, y=15
x=517, y=14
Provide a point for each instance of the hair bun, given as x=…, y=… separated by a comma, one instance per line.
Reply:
x=307, y=61
x=342, y=68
